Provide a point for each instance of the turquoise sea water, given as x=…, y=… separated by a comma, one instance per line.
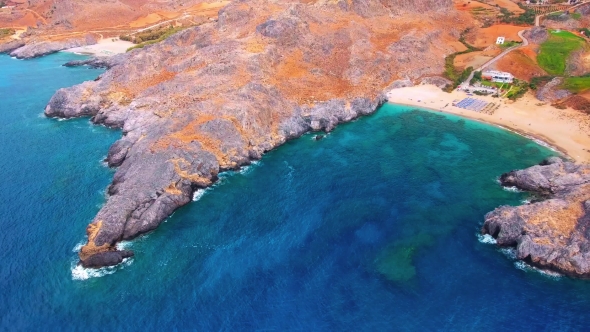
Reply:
x=373, y=228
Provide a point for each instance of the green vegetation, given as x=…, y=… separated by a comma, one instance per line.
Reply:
x=526, y=18
x=150, y=37
x=481, y=93
x=585, y=31
x=576, y=16
x=541, y=80
x=557, y=16
x=556, y=50
x=476, y=77
x=453, y=73
x=509, y=44
x=6, y=32
x=517, y=89
x=498, y=85
x=577, y=84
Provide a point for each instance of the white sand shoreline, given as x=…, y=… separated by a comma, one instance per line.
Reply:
x=105, y=47
x=565, y=131
x=517, y=132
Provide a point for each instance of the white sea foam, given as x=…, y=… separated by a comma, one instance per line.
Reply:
x=509, y=252
x=79, y=246
x=124, y=245
x=198, y=194
x=247, y=169
x=534, y=139
x=81, y=273
x=527, y=268
x=512, y=189
x=487, y=239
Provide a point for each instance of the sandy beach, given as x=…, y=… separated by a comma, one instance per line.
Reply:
x=104, y=47
x=565, y=130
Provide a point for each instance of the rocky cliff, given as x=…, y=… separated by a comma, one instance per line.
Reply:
x=553, y=231
x=32, y=48
x=215, y=97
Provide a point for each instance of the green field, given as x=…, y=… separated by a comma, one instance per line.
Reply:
x=556, y=50
x=577, y=84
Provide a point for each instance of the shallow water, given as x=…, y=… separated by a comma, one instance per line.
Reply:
x=374, y=227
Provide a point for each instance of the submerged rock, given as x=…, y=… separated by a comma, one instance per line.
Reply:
x=553, y=232
x=319, y=137
x=108, y=258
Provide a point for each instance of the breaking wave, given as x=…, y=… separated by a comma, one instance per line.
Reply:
x=512, y=189
x=487, y=239
x=81, y=273
x=527, y=268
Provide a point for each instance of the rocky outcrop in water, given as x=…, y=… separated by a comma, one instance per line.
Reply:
x=33, y=49
x=98, y=62
x=553, y=231
x=217, y=96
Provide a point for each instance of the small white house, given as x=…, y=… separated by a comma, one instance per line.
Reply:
x=497, y=76
x=500, y=40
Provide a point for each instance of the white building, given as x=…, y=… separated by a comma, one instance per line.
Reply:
x=500, y=40
x=497, y=76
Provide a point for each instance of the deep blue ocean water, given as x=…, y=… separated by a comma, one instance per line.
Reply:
x=374, y=228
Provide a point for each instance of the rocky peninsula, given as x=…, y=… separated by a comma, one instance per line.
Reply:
x=215, y=97
x=32, y=48
x=553, y=231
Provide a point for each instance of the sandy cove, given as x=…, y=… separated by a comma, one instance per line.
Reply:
x=565, y=130
x=105, y=47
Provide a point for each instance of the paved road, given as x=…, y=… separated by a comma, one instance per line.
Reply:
x=524, y=43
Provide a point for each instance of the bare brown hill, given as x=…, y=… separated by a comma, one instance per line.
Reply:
x=59, y=16
x=215, y=97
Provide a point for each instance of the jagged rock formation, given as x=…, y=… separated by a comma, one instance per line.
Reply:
x=438, y=81
x=33, y=49
x=97, y=62
x=11, y=46
x=553, y=232
x=552, y=91
x=536, y=35
x=215, y=97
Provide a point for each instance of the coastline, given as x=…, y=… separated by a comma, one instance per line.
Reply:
x=539, y=140
x=105, y=47
x=565, y=131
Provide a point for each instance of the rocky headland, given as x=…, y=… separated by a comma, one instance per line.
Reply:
x=35, y=47
x=553, y=231
x=215, y=97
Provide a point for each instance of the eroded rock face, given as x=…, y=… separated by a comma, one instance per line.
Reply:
x=11, y=46
x=34, y=49
x=217, y=96
x=552, y=232
x=552, y=91
x=97, y=62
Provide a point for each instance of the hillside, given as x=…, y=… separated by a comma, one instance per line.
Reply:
x=215, y=97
